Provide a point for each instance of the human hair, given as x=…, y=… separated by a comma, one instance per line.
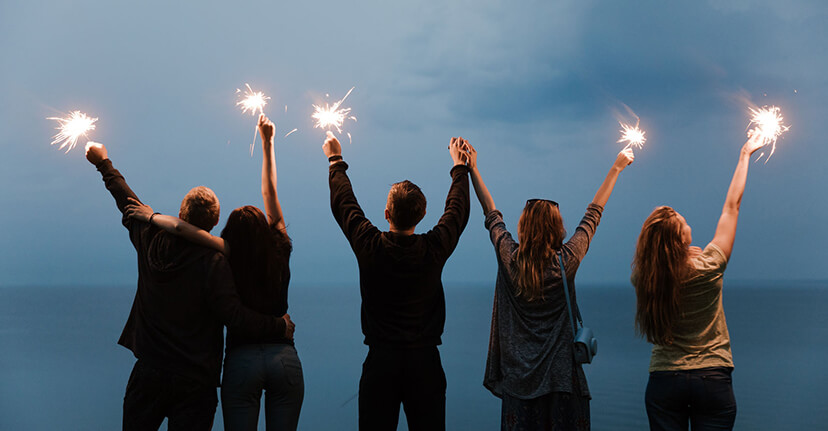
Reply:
x=540, y=234
x=200, y=207
x=259, y=254
x=406, y=205
x=660, y=268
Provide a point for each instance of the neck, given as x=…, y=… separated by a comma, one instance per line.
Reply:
x=401, y=231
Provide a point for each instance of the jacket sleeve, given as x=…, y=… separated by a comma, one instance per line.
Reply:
x=120, y=191
x=346, y=210
x=447, y=232
x=578, y=244
x=227, y=305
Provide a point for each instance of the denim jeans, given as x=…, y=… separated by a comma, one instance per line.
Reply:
x=253, y=368
x=153, y=394
x=702, y=397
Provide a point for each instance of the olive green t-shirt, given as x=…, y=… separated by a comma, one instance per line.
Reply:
x=700, y=337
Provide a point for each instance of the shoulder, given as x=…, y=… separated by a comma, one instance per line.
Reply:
x=712, y=258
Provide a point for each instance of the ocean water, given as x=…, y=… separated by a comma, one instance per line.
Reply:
x=61, y=369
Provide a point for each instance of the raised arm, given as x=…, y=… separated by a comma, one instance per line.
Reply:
x=176, y=226
x=726, y=229
x=624, y=158
x=271, y=199
x=113, y=180
x=344, y=205
x=480, y=188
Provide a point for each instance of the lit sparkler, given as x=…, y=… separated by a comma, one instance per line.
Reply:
x=253, y=101
x=633, y=136
x=769, y=125
x=332, y=115
x=71, y=128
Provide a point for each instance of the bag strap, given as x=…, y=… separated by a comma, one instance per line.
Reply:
x=568, y=302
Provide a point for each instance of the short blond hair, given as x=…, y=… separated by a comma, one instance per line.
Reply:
x=200, y=208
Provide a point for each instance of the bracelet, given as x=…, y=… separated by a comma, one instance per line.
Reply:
x=150, y=217
x=335, y=158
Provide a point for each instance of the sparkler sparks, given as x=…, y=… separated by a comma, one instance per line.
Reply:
x=71, y=128
x=332, y=115
x=253, y=101
x=769, y=125
x=633, y=136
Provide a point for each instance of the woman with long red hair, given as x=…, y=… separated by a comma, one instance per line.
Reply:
x=531, y=364
x=679, y=310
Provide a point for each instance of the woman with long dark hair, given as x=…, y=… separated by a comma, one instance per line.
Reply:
x=679, y=310
x=531, y=364
x=258, y=249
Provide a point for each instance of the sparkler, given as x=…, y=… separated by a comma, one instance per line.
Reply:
x=71, y=128
x=632, y=135
x=253, y=101
x=769, y=125
x=332, y=115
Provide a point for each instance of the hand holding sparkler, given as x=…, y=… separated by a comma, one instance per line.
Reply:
x=332, y=147
x=624, y=158
x=266, y=129
x=769, y=126
x=756, y=140
x=95, y=152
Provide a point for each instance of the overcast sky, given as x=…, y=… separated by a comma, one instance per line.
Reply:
x=536, y=86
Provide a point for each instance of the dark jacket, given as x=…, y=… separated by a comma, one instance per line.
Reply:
x=403, y=304
x=184, y=297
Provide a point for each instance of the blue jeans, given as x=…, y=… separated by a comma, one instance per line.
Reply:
x=253, y=368
x=702, y=397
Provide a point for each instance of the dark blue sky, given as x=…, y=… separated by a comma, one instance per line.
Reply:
x=534, y=85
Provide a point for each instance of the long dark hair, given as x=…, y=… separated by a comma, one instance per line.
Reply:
x=540, y=232
x=660, y=268
x=258, y=253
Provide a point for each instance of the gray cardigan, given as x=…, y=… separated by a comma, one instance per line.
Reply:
x=530, y=344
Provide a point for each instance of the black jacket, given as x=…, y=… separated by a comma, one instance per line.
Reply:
x=185, y=295
x=403, y=303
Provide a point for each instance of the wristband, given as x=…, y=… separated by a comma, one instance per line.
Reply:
x=335, y=158
x=150, y=217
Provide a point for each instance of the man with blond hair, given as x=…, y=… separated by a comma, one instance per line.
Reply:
x=185, y=296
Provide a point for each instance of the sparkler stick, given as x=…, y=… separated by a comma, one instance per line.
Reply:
x=332, y=115
x=72, y=127
x=632, y=135
x=252, y=101
x=769, y=125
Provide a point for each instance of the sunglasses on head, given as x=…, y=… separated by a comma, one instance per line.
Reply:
x=531, y=202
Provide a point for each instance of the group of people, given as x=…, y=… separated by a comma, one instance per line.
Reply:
x=192, y=284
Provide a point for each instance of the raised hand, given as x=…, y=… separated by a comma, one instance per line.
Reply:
x=471, y=155
x=331, y=147
x=95, y=152
x=456, y=149
x=624, y=158
x=754, y=142
x=266, y=129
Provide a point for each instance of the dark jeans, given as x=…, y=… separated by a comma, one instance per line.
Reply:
x=253, y=368
x=702, y=397
x=153, y=394
x=413, y=377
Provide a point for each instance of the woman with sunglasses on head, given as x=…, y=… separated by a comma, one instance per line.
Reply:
x=531, y=364
x=679, y=310
x=258, y=250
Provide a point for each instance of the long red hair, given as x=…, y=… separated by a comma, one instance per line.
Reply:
x=540, y=234
x=660, y=268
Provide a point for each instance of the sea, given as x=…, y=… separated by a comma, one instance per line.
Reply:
x=62, y=369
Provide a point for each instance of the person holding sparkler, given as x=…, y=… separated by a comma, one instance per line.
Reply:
x=259, y=262
x=175, y=328
x=403, y=303
x=679, y=310
x=531, y=365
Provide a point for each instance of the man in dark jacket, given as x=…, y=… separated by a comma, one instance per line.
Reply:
x=175, y=329
x=403, y=304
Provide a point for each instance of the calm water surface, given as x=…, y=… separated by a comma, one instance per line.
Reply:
x=60, y=366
